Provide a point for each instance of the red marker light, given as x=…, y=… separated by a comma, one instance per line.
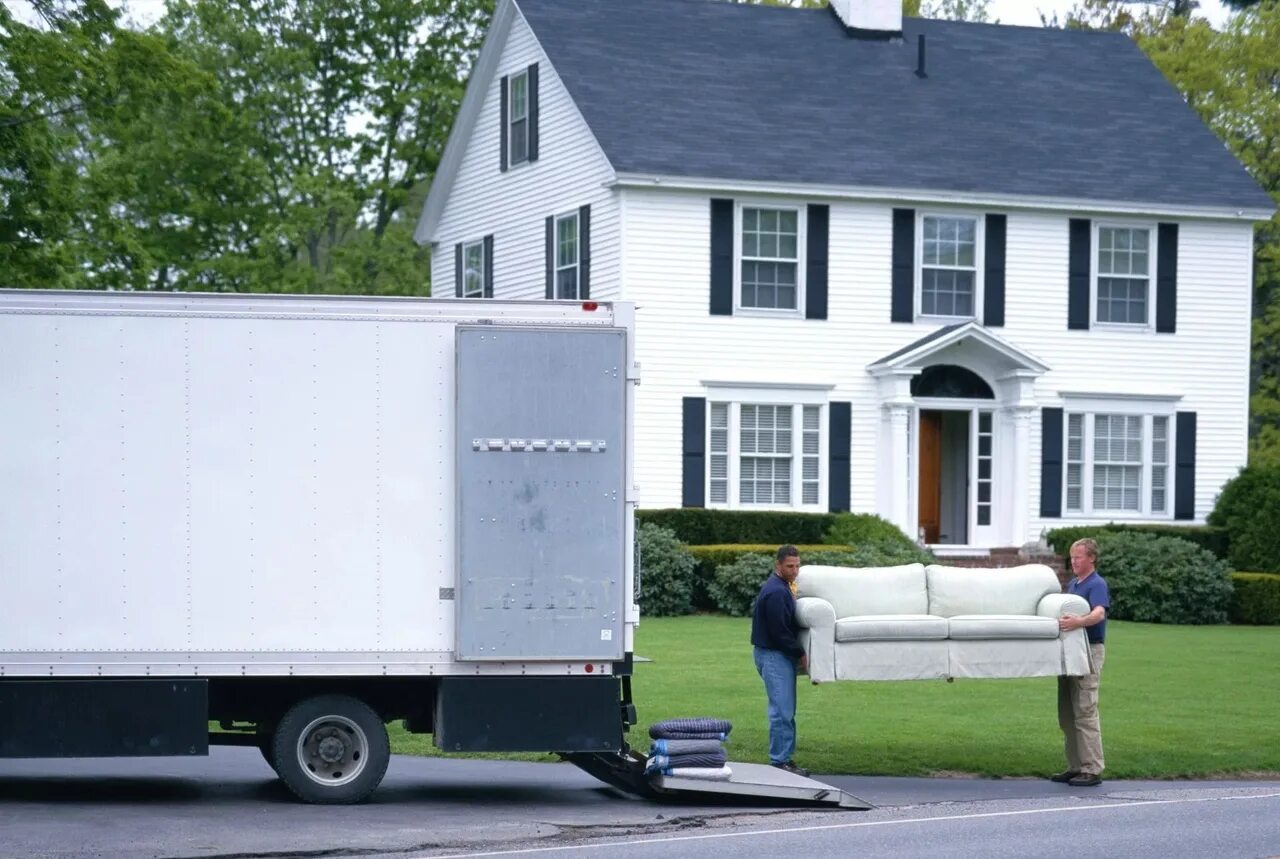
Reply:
x=590, y=305
x=590, y=668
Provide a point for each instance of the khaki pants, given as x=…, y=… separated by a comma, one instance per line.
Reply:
x=1078, y=717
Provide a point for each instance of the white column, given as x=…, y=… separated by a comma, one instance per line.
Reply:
x=898, y=479
x=1020, y=417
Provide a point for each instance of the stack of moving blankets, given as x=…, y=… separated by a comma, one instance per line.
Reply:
x=690, y=748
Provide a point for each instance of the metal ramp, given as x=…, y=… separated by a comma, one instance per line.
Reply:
x=750, y=784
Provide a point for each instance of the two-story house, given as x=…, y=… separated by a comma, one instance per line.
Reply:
x=981, y=280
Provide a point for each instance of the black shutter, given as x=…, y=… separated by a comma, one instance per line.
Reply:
x=1167, y=279
x=1051, y=462
x=1080, y=261
x=721, y=257
x=584, y=252
x=551, y=256
x=1184, y=458
x=488, y=266
x=993, y=279
x=695, y=452
x=904, y=266
x=533, y=112
x=457, y=270
x=838, y=449
x=502, y=124
x=815, y=277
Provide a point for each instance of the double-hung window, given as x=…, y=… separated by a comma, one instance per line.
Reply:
x=948, y=265
x=769, y=258
x=1118, y=463
x=765, y=455
x=1123, y=268
x=568, y=256
x=473, y=269
x=518, y=117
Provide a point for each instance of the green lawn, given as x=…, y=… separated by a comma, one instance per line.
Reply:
x=1176, y=701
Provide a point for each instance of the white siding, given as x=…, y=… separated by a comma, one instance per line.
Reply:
x=571, y=171
x=680, y=346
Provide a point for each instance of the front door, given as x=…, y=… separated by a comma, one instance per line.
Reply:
x=930, y=495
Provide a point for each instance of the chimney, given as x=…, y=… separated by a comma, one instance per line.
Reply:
x=870, y=18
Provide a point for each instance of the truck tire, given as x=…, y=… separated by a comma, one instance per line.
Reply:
x=331, y=749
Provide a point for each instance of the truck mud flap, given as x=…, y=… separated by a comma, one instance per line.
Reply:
x=749, y=784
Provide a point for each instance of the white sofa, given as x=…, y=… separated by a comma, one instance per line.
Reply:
x=916, y=623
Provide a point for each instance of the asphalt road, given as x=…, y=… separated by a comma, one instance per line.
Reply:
x=230, y=805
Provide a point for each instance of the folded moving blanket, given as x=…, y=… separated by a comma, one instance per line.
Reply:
x=704, y=760
x=700, y=728
x=686, y=747
x=721, y=774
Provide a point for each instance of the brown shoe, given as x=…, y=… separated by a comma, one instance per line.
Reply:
x=1065, y=776
x=1086, y=780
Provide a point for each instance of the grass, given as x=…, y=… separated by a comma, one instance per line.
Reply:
x=1176, y=701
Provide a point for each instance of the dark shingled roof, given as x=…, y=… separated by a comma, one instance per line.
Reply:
x=717, y=90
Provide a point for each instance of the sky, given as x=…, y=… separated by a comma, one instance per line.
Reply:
x=1025, y=12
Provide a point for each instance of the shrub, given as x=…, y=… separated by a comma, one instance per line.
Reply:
x=666, y=572
x=1214, y=539
x=1256, y=599
x=699, y=526
x=1162, y=579
x=711, y=558
x=1249, y=508
x=857, y=529
x=734, y=586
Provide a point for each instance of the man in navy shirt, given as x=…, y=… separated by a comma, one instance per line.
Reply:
x=1078, y=696
x=778, y=654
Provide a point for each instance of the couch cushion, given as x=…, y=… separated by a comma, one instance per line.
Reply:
x=891, y=627
x=965, y=590
x=855, y=591
x=988, y=626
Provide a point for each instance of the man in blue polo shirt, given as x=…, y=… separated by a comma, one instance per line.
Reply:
x=1078, y=696
x=778, y=655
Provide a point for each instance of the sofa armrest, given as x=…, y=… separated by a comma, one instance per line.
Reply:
x=1060, y=605
x=817, y=617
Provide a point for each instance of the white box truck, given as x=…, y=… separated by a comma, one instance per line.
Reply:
x=303, y=517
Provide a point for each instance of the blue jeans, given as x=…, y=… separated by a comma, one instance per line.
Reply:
x=778, y=670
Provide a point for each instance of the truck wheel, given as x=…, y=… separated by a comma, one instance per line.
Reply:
x=331, y=749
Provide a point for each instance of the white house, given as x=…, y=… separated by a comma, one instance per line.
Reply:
x=981, y=280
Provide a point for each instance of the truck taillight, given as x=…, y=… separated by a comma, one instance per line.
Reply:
x=590, y=305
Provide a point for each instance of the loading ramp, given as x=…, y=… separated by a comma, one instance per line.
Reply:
x=750, y=784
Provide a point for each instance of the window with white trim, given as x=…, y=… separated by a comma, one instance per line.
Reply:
x=1117, y=463
x=568, y=257
x=769, y=258
x=518, y=117
x=765, y=455
x=473, y=270
x=948, y=257
x=1122, y=285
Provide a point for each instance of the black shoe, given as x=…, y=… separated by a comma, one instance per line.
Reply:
x=790, y=766
x=1086, y=780
x=1064, y=777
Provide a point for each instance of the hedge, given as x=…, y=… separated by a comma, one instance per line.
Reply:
x=1249, y=508
x=666, y=572
x=1212, y=538
x=699, y=526
x=1256, y=599
x=711, y=558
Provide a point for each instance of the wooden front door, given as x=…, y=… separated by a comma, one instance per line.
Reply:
x=930, y=474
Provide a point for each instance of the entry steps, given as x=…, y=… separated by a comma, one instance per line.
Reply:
x=755, y=784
